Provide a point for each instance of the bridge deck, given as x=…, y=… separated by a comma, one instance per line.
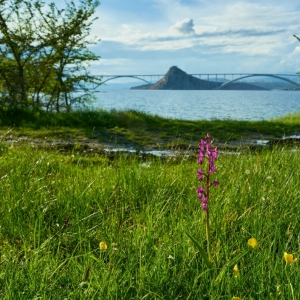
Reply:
x=225, y=78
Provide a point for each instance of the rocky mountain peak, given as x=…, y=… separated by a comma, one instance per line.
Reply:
x=175, y=71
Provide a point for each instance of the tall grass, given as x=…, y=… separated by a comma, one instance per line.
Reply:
x=291, y=118
x=57, y=208
x=140, y=129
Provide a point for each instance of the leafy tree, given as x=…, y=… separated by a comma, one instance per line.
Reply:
x=44, y=53
x=16, y=50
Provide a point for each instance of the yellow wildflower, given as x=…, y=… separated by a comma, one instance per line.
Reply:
x=253, y=243
x=289, y=258
x=236, y=271
x=236, y=298
x=103, y=246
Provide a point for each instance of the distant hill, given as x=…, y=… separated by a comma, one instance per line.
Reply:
x=176, y=79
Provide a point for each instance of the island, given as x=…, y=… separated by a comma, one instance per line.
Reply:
x=176, y=79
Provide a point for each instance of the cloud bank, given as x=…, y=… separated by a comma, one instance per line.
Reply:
x=253, y=36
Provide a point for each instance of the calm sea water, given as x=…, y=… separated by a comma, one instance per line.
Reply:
x=197, y=105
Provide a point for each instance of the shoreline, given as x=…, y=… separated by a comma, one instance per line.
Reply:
x=92, y=146
x=137, y=131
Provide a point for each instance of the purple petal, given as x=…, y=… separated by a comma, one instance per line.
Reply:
x=204, y=200
x=200, y=190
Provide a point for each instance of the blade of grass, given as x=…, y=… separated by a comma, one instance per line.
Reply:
x=201, y=250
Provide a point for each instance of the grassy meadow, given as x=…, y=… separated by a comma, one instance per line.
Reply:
x=56, y=208
x=90, y=226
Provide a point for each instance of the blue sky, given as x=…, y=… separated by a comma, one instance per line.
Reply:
x=198, y=36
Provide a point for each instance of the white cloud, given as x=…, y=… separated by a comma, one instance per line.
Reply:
x=185, y=26
x=245, y=33
x=291, y=61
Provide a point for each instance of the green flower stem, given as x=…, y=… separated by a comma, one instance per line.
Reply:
x=208, y=235
x=207, y=217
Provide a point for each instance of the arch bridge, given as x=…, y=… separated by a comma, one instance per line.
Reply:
x=221, y=79
x=112, y=77
x=259, y=75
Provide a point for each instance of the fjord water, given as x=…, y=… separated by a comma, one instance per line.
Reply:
x=203, y=105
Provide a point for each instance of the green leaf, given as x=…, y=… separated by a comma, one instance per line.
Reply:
x=201, y=250
x=229, y=265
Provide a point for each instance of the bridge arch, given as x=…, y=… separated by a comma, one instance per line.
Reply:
x=256, y=75
x=122, y=76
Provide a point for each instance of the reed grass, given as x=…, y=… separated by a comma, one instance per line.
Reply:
x=56, y=208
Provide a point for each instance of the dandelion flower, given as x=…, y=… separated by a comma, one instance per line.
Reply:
x=103, y=246
x=253, y=243
x=289, y=258
x=236, y=271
